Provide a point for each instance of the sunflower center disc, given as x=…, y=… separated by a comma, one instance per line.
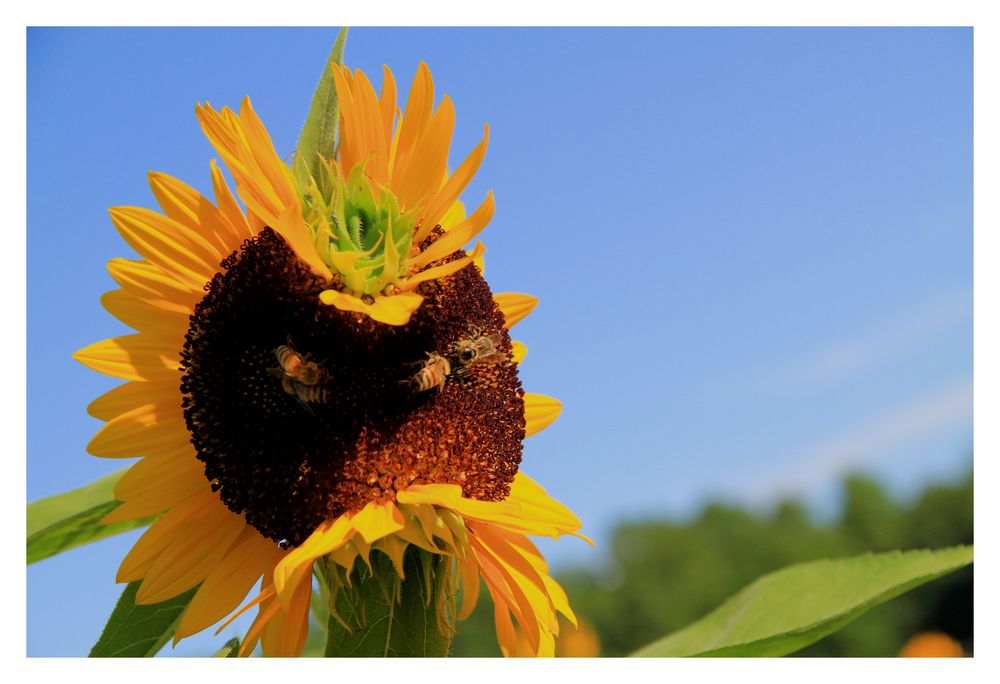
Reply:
x=290, y=455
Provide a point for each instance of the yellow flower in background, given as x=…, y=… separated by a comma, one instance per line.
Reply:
x=931, y=645
x=324, y=374
x=581, y=642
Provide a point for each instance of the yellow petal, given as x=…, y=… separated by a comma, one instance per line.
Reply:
x=190, y=556
x=534, y=503
x=459, y=235
x=480, y=263
x=227, y=205
x=392, y=310
x=266, y=593
x=470, y=588
x=132, y=433
x=363, y=138
x=450, y=496
x=143, y=315
x=328, y=537
x=162, y=532
x=133, y=357
x=182, y=473
x=227, y=584
x=519, y=572
x=293, y=229
x=149, y=281
x=259, y=142
x=132, y=395
x=419, y=105
x=506, y=590
x=227, y=133
x=451, y=218
x=375, y=521
x=170, y=245
x=514, y=306
x=518, y=350
x=439, y=494
x=285, y=633
x=443, y=270
x=186, y=205
x=425, y=166
x=506, y=634
x=458, y=181
x=414, y=531
x=268, y=610
x=539, y=412
x=387, y=104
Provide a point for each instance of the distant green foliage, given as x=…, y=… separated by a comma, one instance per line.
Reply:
x=663, y=575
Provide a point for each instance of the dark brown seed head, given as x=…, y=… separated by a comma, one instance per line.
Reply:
x=287, y=464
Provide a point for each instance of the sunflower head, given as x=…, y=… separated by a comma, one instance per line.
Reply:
x=322, y=378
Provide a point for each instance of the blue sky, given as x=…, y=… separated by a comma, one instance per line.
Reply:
x=753, y=249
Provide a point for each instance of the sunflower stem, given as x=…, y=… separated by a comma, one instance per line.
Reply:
x=377, y=613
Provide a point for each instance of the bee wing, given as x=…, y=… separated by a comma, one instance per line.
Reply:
x=495, y=338
x=495, y=357
x=276, y=372
x=304, y=404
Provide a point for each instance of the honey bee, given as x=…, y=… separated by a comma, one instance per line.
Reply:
x=478, y=348
x=300, y=376
x=433, y=373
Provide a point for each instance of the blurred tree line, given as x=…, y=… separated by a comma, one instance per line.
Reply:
x=663, y=575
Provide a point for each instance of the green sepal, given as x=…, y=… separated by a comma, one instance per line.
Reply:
x=140, y=631
x=319, y=132
x=791, y=608
x=360, y=234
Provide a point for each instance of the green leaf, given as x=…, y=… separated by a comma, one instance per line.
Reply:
x=230, y=650
x=791, y=608
x=64, y=521
x=389, y=616
x=320, y=129
x=51, y=509
x=140, y=631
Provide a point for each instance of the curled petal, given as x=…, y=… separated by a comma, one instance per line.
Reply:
x=392, y=310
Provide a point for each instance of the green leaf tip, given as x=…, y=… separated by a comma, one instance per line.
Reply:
x=140, y=631
x=44, y=512
x=791, y=608
x=319, y=132
x=64, y=521
x=231, y=649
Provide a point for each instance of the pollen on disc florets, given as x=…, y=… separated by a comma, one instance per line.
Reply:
x=289, y=464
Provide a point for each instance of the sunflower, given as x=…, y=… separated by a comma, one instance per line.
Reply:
x=323, y=375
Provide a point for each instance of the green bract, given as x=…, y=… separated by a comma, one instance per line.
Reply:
x=359, y=232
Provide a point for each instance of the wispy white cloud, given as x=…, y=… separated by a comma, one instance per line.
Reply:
x=849, y=357
x=866, y=443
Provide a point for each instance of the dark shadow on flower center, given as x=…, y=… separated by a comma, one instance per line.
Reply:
x=289, y=456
